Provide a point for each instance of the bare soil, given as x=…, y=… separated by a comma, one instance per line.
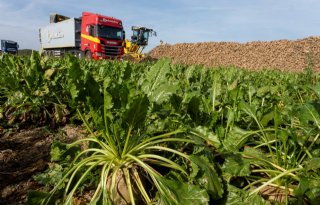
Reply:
x=285, y=55
x=24, y=153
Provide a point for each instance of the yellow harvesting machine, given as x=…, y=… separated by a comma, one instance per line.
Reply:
x=139, y=40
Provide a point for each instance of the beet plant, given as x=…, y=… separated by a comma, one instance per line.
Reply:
x=133, y=164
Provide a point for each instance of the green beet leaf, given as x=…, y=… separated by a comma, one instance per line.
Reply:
x=182, y=193
x=236, y=166
x=239, y=197
x=156, y=84
x=208, y=177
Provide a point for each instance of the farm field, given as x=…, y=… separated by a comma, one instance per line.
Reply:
x=117, y=132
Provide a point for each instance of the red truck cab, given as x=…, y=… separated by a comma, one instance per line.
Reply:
x=101, y=36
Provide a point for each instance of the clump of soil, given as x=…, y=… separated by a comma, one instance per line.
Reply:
x=281, y=54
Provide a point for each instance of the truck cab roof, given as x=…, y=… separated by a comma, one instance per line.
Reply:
x=101, y=19
x=8, y=41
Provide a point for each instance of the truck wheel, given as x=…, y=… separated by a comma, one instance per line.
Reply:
x=80, y=54
x=88, y=55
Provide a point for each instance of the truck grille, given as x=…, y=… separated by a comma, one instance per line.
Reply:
x=111, y=51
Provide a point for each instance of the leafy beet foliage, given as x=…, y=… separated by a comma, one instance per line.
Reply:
x=243, y=136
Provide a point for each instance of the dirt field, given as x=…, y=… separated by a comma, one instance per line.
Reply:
x=281, y=54
x=24, y=153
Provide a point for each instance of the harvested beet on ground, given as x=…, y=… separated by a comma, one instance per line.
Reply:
x=281, y=54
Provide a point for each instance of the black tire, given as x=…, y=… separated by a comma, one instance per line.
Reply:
x=88, y=55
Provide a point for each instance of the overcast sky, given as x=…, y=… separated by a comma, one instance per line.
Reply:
x=174, y=20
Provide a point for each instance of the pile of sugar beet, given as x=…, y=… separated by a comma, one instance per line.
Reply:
x=286, y=55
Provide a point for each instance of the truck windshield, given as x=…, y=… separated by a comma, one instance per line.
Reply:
x=11, y=45
x=110, y=32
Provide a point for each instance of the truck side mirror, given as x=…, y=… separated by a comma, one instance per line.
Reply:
x=124, y=35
